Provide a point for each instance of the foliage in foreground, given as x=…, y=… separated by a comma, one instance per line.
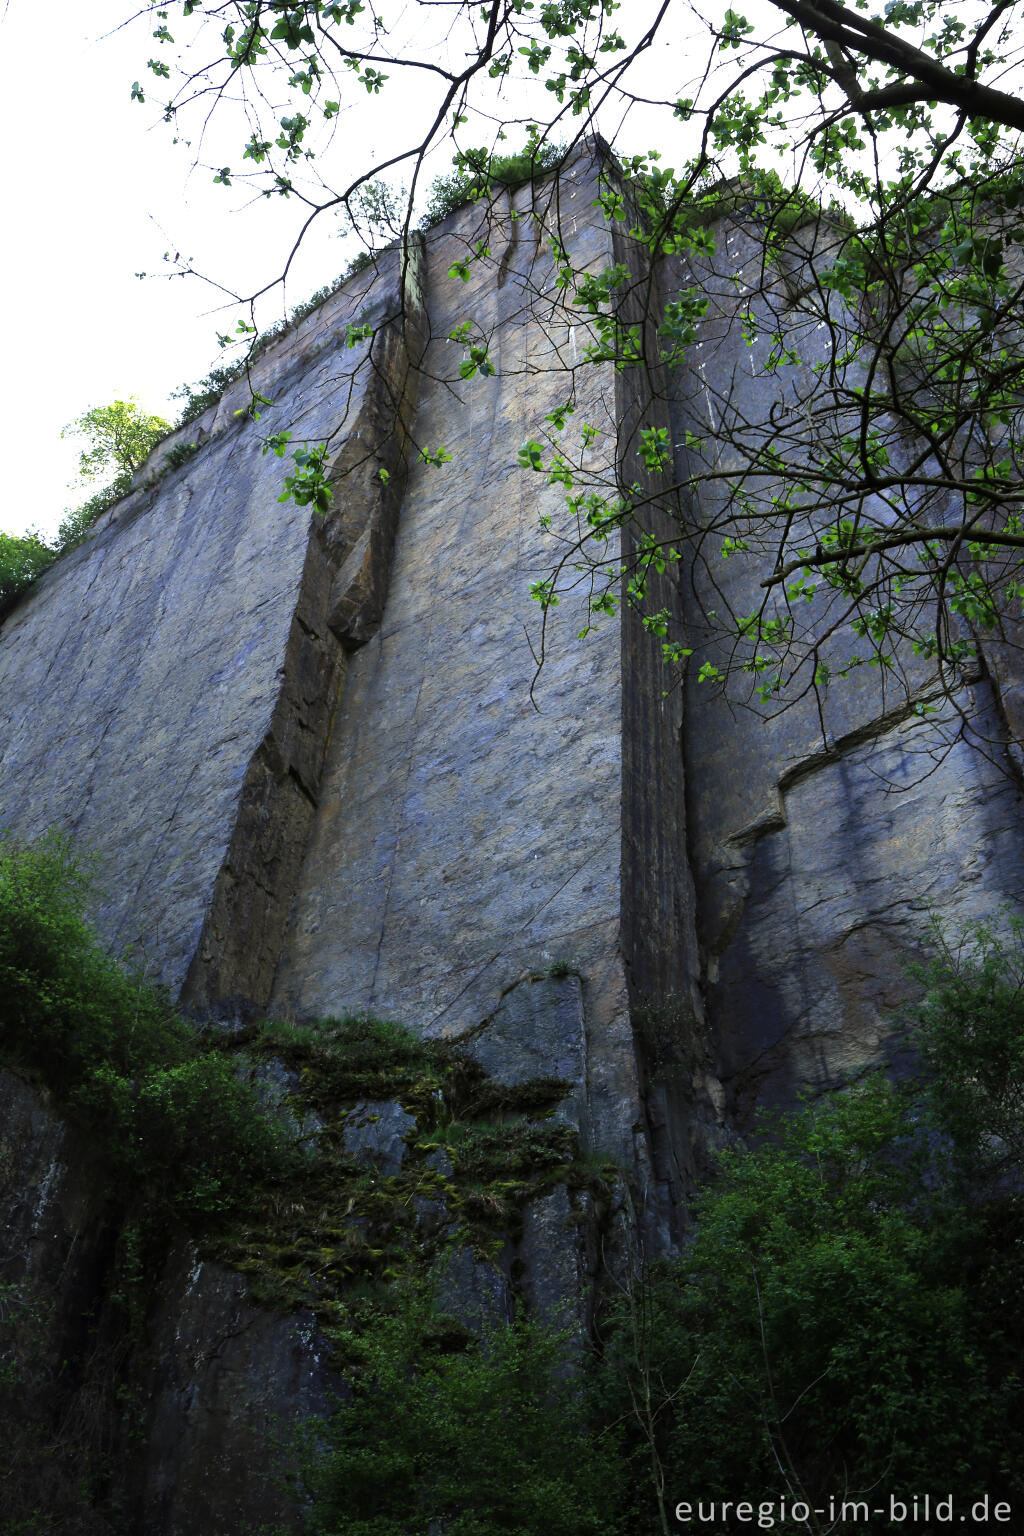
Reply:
x=869, y=480
x=484, y=1438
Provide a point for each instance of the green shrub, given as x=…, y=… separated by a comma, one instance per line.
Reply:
x=179, y=1132
x=845, y=1321
x=841, y=1322
x=354, y=1057
x=76, y=524
x=479, y=174
x=199, y=397
x=180, y=454
x=486, y=1439
x=970, y=1033
x=22, y=560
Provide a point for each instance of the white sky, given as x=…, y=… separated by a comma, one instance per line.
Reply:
x=96, y=192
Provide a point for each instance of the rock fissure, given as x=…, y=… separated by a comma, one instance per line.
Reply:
x=308, y=756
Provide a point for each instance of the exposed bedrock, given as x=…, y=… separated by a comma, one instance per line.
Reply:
x=189, y=1406
x=324, y=771
x=166, y=691
x=472, y=811
x=825, y=839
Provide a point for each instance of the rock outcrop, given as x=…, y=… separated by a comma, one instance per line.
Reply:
x=323, y=771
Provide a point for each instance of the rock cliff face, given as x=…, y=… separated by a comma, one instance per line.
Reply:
x=322, y=773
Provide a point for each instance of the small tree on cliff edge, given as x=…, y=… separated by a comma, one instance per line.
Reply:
x=876, y=481
x=120, y=436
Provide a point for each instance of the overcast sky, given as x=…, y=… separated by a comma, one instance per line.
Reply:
x=96, y=192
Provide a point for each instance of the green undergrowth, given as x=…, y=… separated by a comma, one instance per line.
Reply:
x=345, y=1228
x=240, y=1142
x=473, y=1438
x=243, y=1139
x=844, y=1322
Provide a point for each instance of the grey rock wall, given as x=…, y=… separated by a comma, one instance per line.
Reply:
x=166, y=691
x=471, y=831
x=322, y=773
x=193, y=1406
x=248, y=713
x=824, y=843
x=223, y=1387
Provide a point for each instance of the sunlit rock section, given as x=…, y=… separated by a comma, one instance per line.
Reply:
x=473, y=811
x=166, y=691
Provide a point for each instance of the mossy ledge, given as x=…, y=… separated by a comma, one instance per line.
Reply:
x=343, y=1169
x=409, y=1151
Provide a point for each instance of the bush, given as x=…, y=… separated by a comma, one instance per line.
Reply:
x=22, y=560
x=970, y=1033
x=199, y=397
x=484, y=1440
x=180, y=1133
x=76, y=524
x=842, y=1324
x=480, y=175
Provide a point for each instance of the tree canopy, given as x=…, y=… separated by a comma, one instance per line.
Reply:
x=875, y=484
x=120, y=436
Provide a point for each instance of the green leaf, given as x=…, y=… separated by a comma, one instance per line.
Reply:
x=531, y=455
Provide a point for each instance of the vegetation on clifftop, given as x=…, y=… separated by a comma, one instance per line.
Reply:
x=850, y=438
x=119, y=436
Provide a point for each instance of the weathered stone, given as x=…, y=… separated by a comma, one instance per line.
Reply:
x=322, y=771
x=473, y=1291
x=277, y=1086
x=538, y=1031
x=180, y=666
x=820, y=862
x=228, y=1385
x=218, y=1383
x=552, y=1255
x=55, y=1217
x=375, y=1132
